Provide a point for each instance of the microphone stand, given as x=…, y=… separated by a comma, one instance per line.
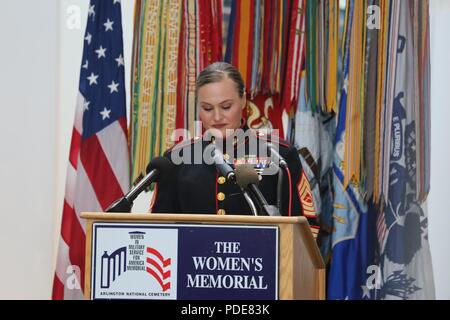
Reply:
x=266, y=209
x=227, y=171
x=125, y=203
x=250, y=202
x=279, y=184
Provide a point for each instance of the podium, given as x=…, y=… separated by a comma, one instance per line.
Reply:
x=198, y=257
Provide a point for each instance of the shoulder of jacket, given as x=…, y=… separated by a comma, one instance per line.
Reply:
x=269, y=138
x=184, y=144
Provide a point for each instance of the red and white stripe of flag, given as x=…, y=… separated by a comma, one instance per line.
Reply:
x=98, y=174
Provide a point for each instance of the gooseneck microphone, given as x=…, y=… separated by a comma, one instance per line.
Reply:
x=276, y=157
x=222, y=165
x=227, y=171
x=247, y=178
x=281, y=163
x=156, y=169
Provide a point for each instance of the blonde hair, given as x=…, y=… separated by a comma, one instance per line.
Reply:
x=216, y=72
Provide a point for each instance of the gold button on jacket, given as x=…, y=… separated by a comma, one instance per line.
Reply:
x=220, y=196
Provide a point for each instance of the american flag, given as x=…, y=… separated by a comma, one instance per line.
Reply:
x=98, y=171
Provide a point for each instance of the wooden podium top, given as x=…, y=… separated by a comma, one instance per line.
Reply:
x=192, y=218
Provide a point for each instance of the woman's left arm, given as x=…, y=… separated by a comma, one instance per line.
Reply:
x=302, y=199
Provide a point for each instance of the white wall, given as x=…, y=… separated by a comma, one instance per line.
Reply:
x=28, y=106
x=40, y=61
x=438, y=200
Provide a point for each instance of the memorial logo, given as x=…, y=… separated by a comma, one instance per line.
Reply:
x=113, y=265
x=140, y=263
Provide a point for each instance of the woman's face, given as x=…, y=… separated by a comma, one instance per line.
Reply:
x=220, y=107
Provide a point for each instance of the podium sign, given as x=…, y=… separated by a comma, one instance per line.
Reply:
x=184, y=261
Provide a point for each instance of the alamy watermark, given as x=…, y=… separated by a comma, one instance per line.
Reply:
x=373, y=17
x=239, y=147
x=73, y=19
x=73, y=275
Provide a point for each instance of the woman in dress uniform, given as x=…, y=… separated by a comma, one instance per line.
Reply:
x=197, y=186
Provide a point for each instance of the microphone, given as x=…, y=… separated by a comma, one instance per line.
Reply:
x=248, y=179
x=276, y=157
x=222, y=165
x=155, y=170
x=227, y=171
